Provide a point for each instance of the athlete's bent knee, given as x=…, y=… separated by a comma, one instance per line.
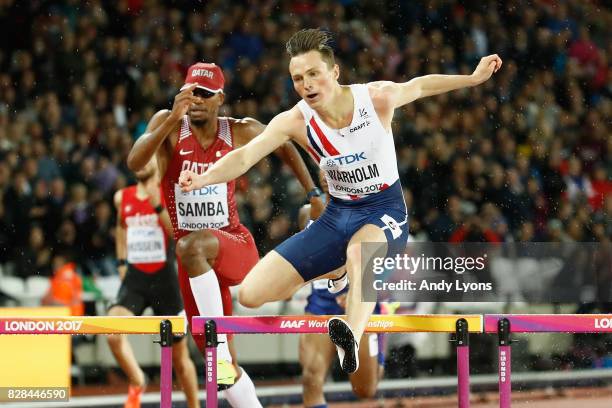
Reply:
x=188, y=248
x=365, y=391
x=248, y=298
x=353, y=255
x=193, y=249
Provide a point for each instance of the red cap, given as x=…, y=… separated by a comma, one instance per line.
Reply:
x=207, y=76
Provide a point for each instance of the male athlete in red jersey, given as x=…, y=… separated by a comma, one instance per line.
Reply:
x=208, y=231
x=148, y=278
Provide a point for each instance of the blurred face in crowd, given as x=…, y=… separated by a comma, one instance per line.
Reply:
x=206, y=108
x=37, y=238
x=575, y=167
x=313, y=78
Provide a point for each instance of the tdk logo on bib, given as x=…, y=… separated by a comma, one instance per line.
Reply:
x=350, y=158
x=204, y=191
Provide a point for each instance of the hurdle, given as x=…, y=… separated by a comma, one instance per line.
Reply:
x=505, y=325
x=165, y=326
x=460, y=325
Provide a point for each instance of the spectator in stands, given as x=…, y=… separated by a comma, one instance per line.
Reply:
x=34, y=259
x=66, y=285
x=78, y=84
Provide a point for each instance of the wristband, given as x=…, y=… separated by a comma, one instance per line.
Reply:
x=158, y=209
x=315, y=192
x=121, y=262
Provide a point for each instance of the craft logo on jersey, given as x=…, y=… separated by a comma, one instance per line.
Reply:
x=360, y=126
x=202, y=72
x=363, y=113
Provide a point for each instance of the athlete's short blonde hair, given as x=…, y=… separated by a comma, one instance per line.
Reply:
x=312, y=39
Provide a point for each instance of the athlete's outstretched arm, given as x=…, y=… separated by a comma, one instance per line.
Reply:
x=239, y=161
x=400, y=94
x=288, y=153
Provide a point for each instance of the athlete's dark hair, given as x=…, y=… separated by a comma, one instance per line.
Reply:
x=312, y=39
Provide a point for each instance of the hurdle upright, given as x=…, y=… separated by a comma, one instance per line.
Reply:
x=504, y=325
x=165, y=326
x=461, y=325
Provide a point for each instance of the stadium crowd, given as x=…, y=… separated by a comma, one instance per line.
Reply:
x=525, y=157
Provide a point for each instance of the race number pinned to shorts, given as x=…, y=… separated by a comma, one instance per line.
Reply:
x=203, y=208
x=145, y=244
x=392, y=225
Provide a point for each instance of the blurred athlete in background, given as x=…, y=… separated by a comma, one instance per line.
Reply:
x=148, y=278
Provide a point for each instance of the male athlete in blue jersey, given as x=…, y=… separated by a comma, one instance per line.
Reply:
x=347, y=131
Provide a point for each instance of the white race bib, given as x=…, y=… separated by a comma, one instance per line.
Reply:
x=145, y=244
x=203, y=208
x=352, y=174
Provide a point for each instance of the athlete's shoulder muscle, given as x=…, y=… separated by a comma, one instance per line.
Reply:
x=245, y=129
x=118, y=198
x=382, y=95
x=293, y=120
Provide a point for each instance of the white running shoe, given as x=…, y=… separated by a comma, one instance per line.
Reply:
x=337, y=285
x=348, y=350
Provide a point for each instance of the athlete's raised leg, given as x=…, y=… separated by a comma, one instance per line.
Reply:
x=196, y=253
x=358, y=312
x=272, y=279
x=347, y=335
